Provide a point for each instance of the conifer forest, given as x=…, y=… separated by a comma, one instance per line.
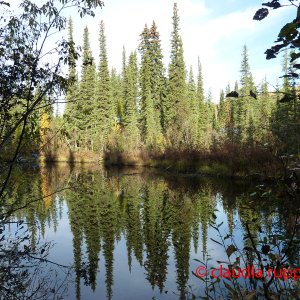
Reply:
x=138, y=181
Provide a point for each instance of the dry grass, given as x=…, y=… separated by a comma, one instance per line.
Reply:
x=71, y=157
x=226, y=160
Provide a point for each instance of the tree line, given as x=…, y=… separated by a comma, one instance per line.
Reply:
x=151, y=108
x=148, y=107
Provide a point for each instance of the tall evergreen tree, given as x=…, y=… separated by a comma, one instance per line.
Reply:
x=235, y=107
x=148, y=124
x=144, y=45
x=245, y=102
x=230, y=126
x=85, y=103
x=176, y=105
x=194, y=108
x=151, y=82
x=266, y=106
x=201, y=105
x=116, y=91
x=211, y=112
x=222, y=114
x=157, y=77
x=224, y=125
x=104, y=110
x=228, y=114
x=123, y=78
x=130, y=101
x=208, y=121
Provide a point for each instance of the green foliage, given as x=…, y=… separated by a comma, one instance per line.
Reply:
x=148, y=110
x=202, y=122
x=265, y=109
x=104, y=110
x=150, y=132
x=85, y=102
x=194, y=109
x=130, y=120
x=144, y=108
x=30, y=69
x=222, y=113
x=141, y=110
x=177, y=75
x=245, y=103
x=286, y=115
x=116, y=90
x=151, y=84
x=177, y=108
x=71, y=97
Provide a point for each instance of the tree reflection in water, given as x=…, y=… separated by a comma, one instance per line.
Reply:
x=157, y=216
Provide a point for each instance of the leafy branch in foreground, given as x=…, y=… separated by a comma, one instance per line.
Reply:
x=288, y=37
x=29, y=79
x=27, y=76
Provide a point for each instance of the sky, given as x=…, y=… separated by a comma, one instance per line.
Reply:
x=214, y=31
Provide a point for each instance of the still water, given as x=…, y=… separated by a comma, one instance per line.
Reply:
x=135, y=233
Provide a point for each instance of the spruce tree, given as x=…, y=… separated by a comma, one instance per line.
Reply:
x=85, y=100
x=123, y=78
x=104, y=110
x=235, y=107
x=251, y=131
x=222, y=114
x=209, y=121
x=116, y=91
x=211, y=112
x=201, y=105
x=176, y=108
x=194, y=108
x=266, y=106
x=245, y=102
x=151, y=84
x=130, y=102
x=157, y=76
x=231, y=118
x=149, y=126
x=144, y=45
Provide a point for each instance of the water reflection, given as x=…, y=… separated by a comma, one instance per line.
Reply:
x=161, y=223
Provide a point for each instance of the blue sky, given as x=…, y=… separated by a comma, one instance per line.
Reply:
x=213, y=30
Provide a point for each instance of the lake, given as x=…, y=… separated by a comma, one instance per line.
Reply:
x=136, y=233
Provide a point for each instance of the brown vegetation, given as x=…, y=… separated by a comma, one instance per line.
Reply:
x=228, y=160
